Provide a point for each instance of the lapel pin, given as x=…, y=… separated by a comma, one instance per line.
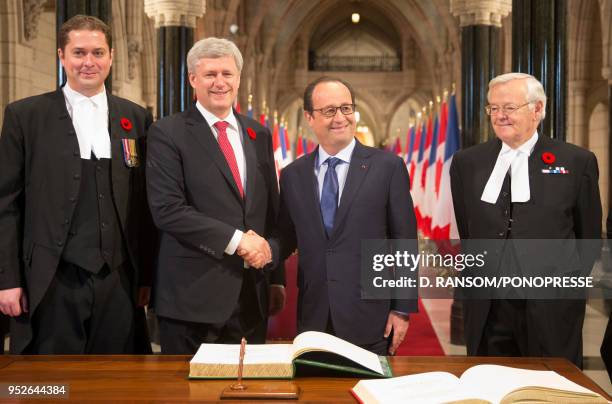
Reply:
x=548, y=158
x=126, y=124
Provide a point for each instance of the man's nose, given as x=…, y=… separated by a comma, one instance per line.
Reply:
x=219, y=81
x=89, y=59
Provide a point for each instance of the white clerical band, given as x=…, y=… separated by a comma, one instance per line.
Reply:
x=91, y=129
x=517, y=160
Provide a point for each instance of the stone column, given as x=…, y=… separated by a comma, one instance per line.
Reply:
x=480, y=61
x=577, y=126
x=66, y=9
x=539, y=48
x=175, y=21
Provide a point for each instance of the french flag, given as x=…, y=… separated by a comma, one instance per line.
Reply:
x=417, y=188
x=429, y=195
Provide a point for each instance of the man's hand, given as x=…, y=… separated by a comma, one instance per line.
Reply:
x=254, y=249
x=399, y=324
x=144, y=295
x=13, y=302
x=276, y=299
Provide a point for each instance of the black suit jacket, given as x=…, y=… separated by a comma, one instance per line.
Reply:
x=561, y=206
x=375, y=204
x=41, y=166
x=196, y=204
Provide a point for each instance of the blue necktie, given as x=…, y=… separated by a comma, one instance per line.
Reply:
x=329, y=194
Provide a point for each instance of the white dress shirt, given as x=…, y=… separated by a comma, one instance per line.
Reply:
x=90, y=119
x=518, y=162
x=235, y=139
x=341, y=169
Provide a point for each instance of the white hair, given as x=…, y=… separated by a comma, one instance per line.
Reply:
x=213, y=48
x=534, y=91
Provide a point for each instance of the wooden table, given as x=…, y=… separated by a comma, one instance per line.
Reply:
x=164, y=378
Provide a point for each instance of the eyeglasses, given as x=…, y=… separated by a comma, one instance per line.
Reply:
x=329, y=112
x=506, y=109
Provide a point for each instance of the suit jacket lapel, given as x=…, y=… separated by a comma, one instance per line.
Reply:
x=59, y=102
x=535, y=165
x=311, y=189
x=358, y=169
x=486, y=167
x=199, y=129
x=120, y=176
x=60, y=130
x=250, y=157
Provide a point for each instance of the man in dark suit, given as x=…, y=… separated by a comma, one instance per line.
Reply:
x=606, y=343
x=523, y=185
x=331, y=200
x=211, y=177
x=76, y=237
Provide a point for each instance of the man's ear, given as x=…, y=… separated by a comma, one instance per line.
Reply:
x=539, y=108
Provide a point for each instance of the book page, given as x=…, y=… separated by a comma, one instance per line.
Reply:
x=320, y=341
x=423, y=388
x=493, y=382
x=228, y=354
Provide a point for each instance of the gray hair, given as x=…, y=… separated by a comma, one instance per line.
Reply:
x=534, y=91
x=212, y=48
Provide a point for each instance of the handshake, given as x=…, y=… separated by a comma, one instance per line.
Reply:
x=254, y=249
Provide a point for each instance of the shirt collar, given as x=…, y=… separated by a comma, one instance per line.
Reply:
x=344, y=154
x=74, y=97
x=212, y=119
x=526, y=147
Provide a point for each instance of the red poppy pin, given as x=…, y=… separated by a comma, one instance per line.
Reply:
x=251, y=133
x=126, y=124
x=548, y=158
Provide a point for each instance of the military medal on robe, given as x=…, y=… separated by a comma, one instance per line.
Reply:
x=130, y=155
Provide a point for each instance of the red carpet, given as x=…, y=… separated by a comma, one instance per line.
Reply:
x=421, y=338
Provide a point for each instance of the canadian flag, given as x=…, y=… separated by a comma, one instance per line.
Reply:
x=444, y=225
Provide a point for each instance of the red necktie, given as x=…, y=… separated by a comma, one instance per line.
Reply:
x=228, y=152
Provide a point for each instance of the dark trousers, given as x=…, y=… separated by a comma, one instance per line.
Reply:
x=179, y=337
x=84, y=313
x=505, y=332
x=4, y=329
x=541, y=328
x=606, y=347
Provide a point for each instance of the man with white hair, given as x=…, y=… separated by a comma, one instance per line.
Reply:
x=522, y=185
x=213, y=191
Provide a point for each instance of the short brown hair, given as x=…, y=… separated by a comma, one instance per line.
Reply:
x=325, y=79
x=83, y=22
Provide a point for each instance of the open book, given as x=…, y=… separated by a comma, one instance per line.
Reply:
x=478, y=384
x=311, y=354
